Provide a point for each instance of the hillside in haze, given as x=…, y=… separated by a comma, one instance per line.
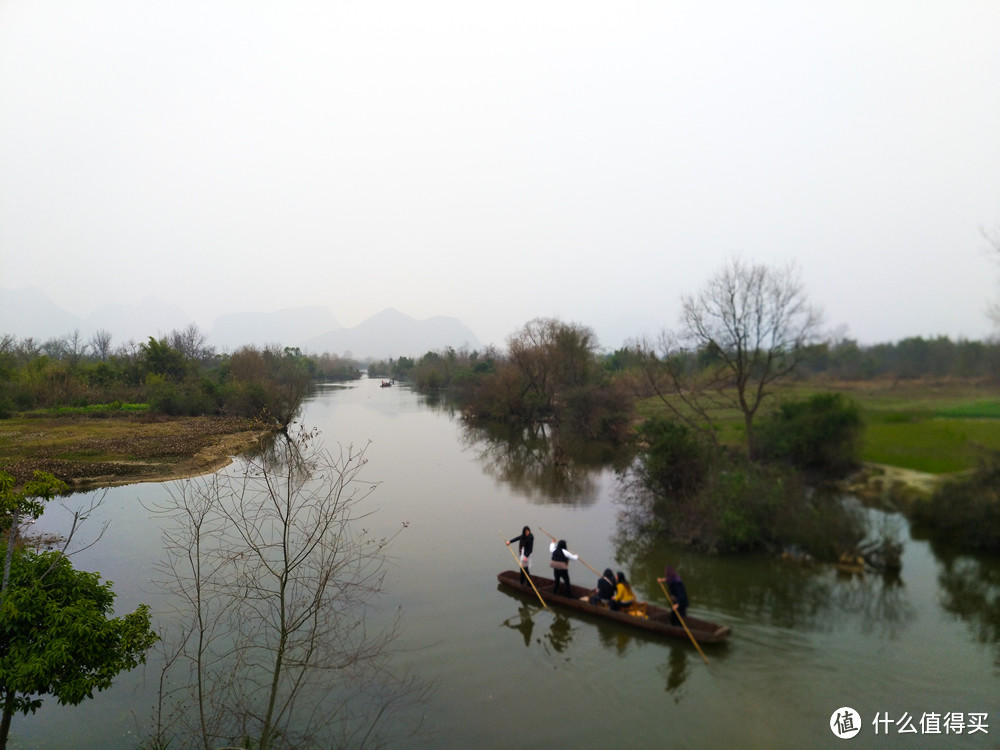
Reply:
x=390, y=333
x=29, y=313
x=289, y=327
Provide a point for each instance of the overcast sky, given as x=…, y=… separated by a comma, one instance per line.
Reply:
x=500, y=161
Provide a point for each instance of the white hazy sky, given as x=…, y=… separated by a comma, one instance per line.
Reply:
x=500, y=161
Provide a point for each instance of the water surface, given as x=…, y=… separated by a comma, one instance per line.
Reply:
x=508, y=673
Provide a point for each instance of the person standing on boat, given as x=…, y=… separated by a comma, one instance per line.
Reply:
x=624, y=596
x=605, y=590
x=526, y=543
x=560, y=564
x=678, y=593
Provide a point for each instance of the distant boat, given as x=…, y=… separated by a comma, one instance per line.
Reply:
x=654, y=619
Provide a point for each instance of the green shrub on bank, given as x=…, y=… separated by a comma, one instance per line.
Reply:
x=674, y=462
x=820, y=435
x=714, y=500
x=966, y=510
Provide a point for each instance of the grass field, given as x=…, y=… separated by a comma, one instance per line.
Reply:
x=934, y=427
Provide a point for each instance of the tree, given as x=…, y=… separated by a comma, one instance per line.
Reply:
x=192, y=343
x=58, y=637
x=17, y=504
x=551, y=357
x=273, y=574
x=100, y=344
x=163, y=359
x=75, y=348
x=750, y=325
x=55, y=634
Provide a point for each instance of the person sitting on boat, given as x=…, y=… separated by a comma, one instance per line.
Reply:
x=624, y=596
x=678, y=594
x=605, y=590
x=526, y=545
x=560, y=564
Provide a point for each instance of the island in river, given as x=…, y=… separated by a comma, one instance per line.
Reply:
x=87, y=452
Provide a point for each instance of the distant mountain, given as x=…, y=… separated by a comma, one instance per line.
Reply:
x=289, y=327
x=28, y=313
x=390, y=333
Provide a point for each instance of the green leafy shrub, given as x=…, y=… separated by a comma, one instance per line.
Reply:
x=820, y=435
x=674, y=462
x=966, y=510
x=720, y=502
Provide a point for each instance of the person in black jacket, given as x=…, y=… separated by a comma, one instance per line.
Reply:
x=560, y=564
x=605, y=590
x=678, y=594
x=526, y=545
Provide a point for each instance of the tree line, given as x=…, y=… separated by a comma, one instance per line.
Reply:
x=177, y=375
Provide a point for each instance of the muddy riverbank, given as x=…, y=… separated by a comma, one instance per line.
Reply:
x=87, y=453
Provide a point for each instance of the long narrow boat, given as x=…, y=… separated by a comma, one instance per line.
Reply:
x=656, y=619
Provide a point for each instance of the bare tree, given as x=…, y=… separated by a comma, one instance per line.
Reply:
x=748, y=326
x=75, y=348
x=27, y=349
x=54, y=348
x=191, y=342
x=273, y=577
x=100, y=344
x=551, y=357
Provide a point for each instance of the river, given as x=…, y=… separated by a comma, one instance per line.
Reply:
x=920, y=653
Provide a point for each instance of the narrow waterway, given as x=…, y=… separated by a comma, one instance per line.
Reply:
x=916, y=653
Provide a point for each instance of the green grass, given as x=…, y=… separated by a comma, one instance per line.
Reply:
x=936, y=446
x=988, y=409
x=931, y=427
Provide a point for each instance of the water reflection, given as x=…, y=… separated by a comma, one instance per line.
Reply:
x=522, y=622
x=560, y=633
x=537, y=462
x=766, y=590
x=971, y=592
x=676, y=672
x=879, y=601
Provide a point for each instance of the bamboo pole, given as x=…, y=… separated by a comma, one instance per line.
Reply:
x=526, y=574
x=673, y=606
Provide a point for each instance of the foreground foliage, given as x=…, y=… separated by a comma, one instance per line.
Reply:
x=58, y=637
x=56, y=633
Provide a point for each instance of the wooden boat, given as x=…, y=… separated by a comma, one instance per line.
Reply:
x=656, y=619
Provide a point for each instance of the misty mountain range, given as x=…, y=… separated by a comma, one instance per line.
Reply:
x=390, y=333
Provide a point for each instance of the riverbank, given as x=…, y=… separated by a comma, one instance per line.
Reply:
x=87, y=453
x=891, y=488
